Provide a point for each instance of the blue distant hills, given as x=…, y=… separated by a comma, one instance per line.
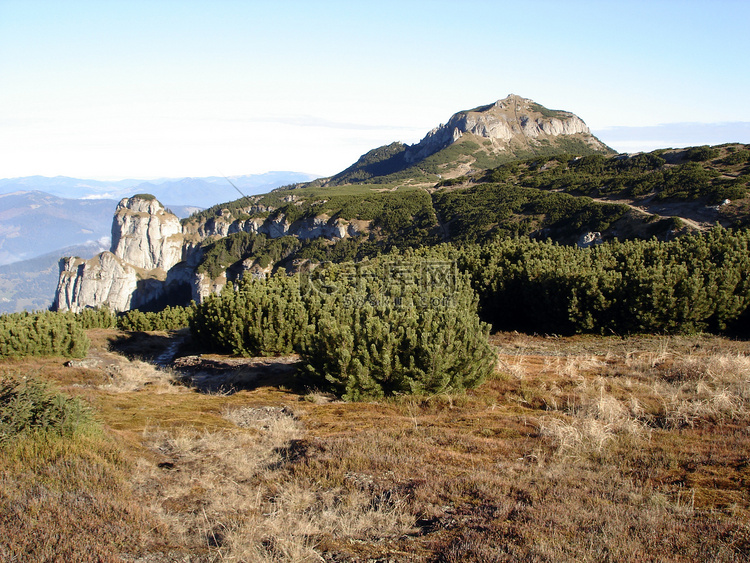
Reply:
x=172, y=192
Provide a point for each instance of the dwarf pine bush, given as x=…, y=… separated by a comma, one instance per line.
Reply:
x=398, y=325
x=29, y=405
x=42, y=334
x=691, y=284
x=169, y=318
x=252, y=318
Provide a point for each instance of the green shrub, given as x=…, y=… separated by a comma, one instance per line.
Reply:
x=694, y=283
x=42, y=334
x=701, y=154
x=96, y=318
x=737, y=157
x=252, y=318
x=29, y=405
x=169, y=318
x=392, y=327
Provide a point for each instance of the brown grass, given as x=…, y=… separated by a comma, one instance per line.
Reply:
x=581, y=449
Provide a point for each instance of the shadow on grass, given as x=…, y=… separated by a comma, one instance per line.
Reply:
x=210, y=373
x=144, y=346
x=227, y=376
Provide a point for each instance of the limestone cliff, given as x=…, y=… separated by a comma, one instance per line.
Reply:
x=154, y=258
x=103, y=281
x=145, y=235
x=141, y=266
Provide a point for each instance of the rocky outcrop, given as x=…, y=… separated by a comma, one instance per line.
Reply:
x=145, y=235
x=102, y=281
x=514, y=119
x=153, y=259
x=278, y=226
x=203, y=286
x=587, y=240
x=140, y=268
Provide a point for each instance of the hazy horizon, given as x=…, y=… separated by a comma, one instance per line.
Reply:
x=167, y=89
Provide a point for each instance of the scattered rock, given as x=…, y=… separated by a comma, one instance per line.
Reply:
x=88, y=363
x=590, y=239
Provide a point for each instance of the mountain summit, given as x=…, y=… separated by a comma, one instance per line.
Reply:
x=513, y=124
x=480, y=138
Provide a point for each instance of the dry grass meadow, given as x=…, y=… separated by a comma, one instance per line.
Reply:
x=580, y=449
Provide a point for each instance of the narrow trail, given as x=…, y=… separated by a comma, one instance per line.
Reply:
x=166, y=357
x=705, y=224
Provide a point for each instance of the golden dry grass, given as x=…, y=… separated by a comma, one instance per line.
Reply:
x=581, y=449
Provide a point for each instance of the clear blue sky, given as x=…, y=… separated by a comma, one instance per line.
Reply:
x=155, y=88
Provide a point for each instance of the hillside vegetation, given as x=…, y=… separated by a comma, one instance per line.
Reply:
x=380, y=396
x=661, y=194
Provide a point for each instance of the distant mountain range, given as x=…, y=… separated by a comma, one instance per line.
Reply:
x=34, y=223
x=30, y=284
x=194, y=192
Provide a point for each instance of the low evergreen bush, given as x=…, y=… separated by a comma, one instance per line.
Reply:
x=252, y=318
x=396, y=326
x=169, y=318
x=42, y=334
x=29, y=405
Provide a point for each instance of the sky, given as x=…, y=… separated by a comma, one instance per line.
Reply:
x=114, y=89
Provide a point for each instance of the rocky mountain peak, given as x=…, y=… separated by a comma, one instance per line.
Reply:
x=141, y=203
x=146, y=235
x=509, y=123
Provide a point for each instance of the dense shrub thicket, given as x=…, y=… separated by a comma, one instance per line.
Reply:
x=252, y=318
x=690, y=175
x=486, y=211
x=96, y=318
x=382, y=327
x=64, y=333
x=42, y=334
x=218, y=255
x=169, y=318
x=377, y=327
x=694, y=283
x=395, y=326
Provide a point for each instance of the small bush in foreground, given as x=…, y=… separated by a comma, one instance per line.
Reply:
x=29, y=405
x=64, y=494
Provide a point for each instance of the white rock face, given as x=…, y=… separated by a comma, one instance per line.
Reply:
x=203, y=286
x=309, y=228
x=590, y=239
x=554, y=127
x=513, y=118
x=145, y=235
x=147, y=241
x=103, y=281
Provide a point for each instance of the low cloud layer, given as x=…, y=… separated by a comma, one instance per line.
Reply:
x=673, y=135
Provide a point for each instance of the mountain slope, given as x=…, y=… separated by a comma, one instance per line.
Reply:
x=480, y=138
x=566, y=198
x=34, y=223
x=449, y=188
